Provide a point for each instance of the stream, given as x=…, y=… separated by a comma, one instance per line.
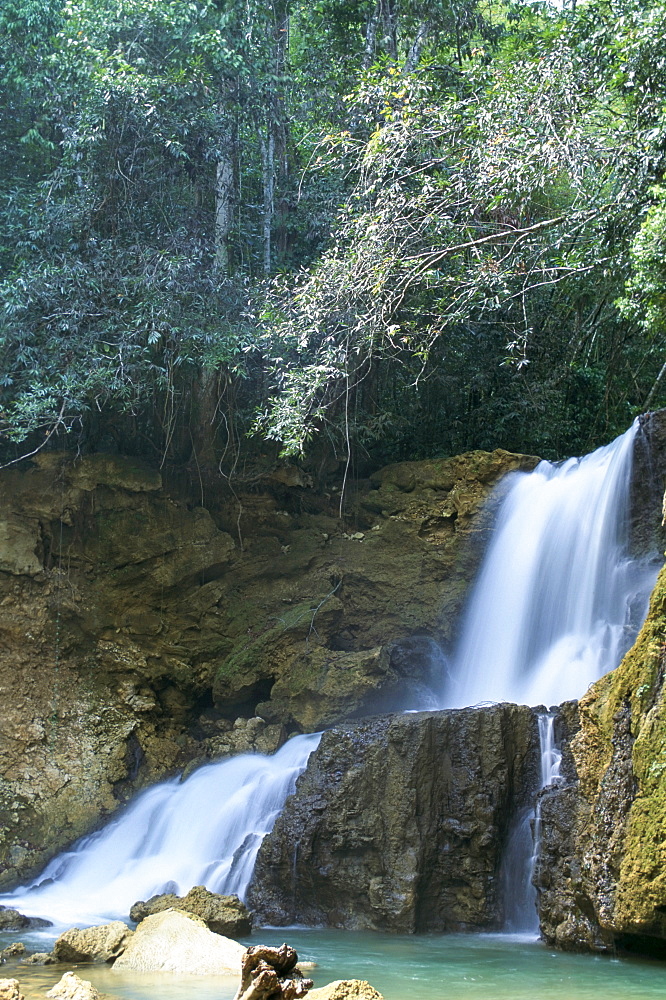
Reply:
x=428, y=967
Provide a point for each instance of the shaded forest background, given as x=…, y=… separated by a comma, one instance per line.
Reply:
x=353, y=231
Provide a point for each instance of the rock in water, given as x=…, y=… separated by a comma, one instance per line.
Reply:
x=103, y=943
x=12, y=920
x=12, y=950
x=346, y=989
x=399, y=823
x=225, y=915
x=271, y=974
x=71, y=987
x=9, y=990
x=40, y=958
x=175, y=941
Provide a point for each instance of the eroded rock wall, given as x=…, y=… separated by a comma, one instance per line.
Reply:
x=399, y=823
x=601, y=877
x=138, y=622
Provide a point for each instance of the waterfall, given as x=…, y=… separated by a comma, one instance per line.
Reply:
x=202, y=831
x=557, y=603
x=519, y=895
x=558, y=599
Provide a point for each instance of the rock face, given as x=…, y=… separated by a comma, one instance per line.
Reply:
x=138, y=621
x=174, y=941
x=399, y=823
x=225, y=915
x=601, y=876
x=648, y=533
x=103, y=943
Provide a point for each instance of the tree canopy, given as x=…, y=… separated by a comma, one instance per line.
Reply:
x=381, y=229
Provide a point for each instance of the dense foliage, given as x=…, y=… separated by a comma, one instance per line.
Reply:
x=365, y=229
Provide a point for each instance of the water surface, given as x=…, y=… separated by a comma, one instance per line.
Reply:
x=431, y=967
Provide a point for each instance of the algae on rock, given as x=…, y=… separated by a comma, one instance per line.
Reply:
x=602, y=874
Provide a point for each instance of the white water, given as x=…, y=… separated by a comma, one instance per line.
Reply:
x=551, y=755
x=522, y=850
x=202, y=831
x=558, y=598
x=555, y=606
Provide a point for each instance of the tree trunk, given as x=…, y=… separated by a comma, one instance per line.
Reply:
x=416, y=47
x=224, y=191
x=371, y=36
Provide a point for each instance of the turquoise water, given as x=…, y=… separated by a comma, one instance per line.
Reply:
x=452, y=967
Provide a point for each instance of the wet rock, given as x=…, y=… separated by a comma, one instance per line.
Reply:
x=71, y=987
x=346, y=989
x=40, y=958
x=175, y=941
x=600, y=874
x=12, y=920
x=648, y=534
x=271, y=974
x=399, y=823
x=9, y=990
x=12, y=950
x=225, y=915
x=102, y=943
x=126, y=606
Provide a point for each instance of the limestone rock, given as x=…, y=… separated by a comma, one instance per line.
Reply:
x=225, y=915
x=12, y=950
x=174, y=941
x=648, y=482
x=601, y=874
x=399, y=823
x=269, y=973
x=40, y=958
x=346, y=989
x=12, y=920
x=9, y=990
x=125, y=605
x=71, y=987
x=102, y=943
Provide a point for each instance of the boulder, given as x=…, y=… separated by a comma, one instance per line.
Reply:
x=12, y=920
x=346, y=989
x=399, y=823
x=103, y=943
x=175, y=941
x=9, y=990
x=225, y=915
x=40, y=958
x=71, y=987
x=271, y=974
x=12, y=950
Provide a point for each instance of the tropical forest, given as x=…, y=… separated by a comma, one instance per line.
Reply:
x=332, y=485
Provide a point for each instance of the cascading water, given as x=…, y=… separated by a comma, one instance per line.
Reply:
x=557, y=603
x=523, y=847
x=558, y=599
x=202, y=831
